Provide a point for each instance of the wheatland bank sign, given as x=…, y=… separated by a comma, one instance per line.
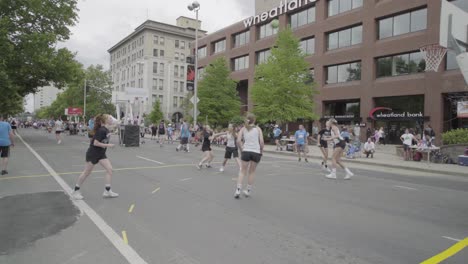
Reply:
x=284, y=7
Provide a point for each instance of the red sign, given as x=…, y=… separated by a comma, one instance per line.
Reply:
x=372, y=112
x=75, y=111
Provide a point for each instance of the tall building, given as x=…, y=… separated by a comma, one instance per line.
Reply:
x=364, y=56
x=45, y=96
x=153, y=57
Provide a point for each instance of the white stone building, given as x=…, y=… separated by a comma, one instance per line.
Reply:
x=153, y=57
x=45, y=96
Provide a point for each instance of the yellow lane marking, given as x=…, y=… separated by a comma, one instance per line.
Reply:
x=21, y=177
x=124, y=237
x=131, y=209
x=155, y=190
x=447, y=253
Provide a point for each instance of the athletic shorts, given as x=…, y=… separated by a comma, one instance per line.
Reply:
x=341, y=144
x=300, y=147
x=162, y=133
x=251, y=156
x=277, y=138
x=184, y=141
x=13, y=127
x=5, y=151
x=406, y=147
x=153, y=132
x=206, y=148
x=94, y=158
x=323, y=144
x=58, y=132
x=230, y=151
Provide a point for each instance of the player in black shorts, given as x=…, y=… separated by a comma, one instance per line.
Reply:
x=97, y=154
x=340, y=145
x=208, y=136
x=323, y=144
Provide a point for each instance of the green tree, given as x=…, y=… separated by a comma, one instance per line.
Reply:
x=29, y=32
x=187, y=108
x=218, y=95
x=98, y=96
x=156, y=114
x=283, y=90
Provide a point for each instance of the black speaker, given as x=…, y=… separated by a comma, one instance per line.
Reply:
x=131, y=136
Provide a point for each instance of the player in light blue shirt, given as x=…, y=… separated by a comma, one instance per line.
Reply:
x=6, y=140
x=301, y=142
x=277, y=136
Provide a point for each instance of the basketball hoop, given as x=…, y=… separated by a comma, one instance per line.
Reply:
x=433, y=55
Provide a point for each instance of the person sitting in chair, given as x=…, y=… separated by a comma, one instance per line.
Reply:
x=369, y=148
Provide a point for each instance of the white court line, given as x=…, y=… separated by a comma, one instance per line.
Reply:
x=186, y=179
x=451, y=238
x=155, y=161
x=127, y=252
x=404, y=187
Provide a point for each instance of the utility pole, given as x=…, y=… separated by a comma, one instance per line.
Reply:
x=84, y=108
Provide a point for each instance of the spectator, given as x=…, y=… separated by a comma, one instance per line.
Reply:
x=429, y=133
x=345, y=134
x=381, y=136
x=407, y=140
x=368, y=132
x=369, y=148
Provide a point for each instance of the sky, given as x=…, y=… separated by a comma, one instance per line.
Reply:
x=103, y=23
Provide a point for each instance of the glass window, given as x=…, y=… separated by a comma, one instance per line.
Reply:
x=262, y=56
x=161, y=84
x=182, y=44
x=357, y=3
x=177, y=43
x=161, y=101
x=161, y=68
x=182, y=57
x=266, y=31
x=176, y=71
x=241, y=38
x=401, y=63
x=308, y=46
x=333, y=7
x=155, y=69
x=344, y=38
x=332, y=74
x=401, y=24
x=345, y=5
x=344, y=73
x=175, y=98
x=161, y=41
x=161, y=53
x=202, y=52
x=182, y=85
x=386, y=28
x=182, y=71
x=176, y=86
x=416, y=62
x=155, y=40
x=333, y=41
x=155, y=52
x=418, y=20
x=176, y=55
x=302, y=18
x=220, y=46
x=241, y=63
x=356, y=35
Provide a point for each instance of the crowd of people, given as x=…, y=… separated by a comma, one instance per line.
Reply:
x=244, y=142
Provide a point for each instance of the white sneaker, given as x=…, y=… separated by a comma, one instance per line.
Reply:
x=237, y=193
x=328, y=169
x=349, y=174
x=246, y=193
x=331, y=176
x=199, y=166
x=110, y=194
x=77, y=195
x=59, y=142
x=221, y=169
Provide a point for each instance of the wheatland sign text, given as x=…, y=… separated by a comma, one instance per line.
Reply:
x=284, y=7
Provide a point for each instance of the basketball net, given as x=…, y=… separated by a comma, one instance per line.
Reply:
x=433, y=55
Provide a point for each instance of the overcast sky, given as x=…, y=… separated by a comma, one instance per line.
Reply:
x=103, y=23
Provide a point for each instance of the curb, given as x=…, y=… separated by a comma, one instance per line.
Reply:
x=452, y=173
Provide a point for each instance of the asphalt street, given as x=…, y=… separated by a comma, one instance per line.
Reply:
x=170, y=212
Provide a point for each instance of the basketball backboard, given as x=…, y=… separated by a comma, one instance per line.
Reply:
x=454, y=32
x=453, y=22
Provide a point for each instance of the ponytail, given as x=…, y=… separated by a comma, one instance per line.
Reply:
x=250, y=121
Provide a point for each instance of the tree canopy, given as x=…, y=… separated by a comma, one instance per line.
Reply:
x=29, y=33
x=156, y=114
x=218, y=95
x=283, y=90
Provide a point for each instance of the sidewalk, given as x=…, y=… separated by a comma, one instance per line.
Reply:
x=385, y=156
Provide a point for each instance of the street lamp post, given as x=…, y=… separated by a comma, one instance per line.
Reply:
x=195, y=6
